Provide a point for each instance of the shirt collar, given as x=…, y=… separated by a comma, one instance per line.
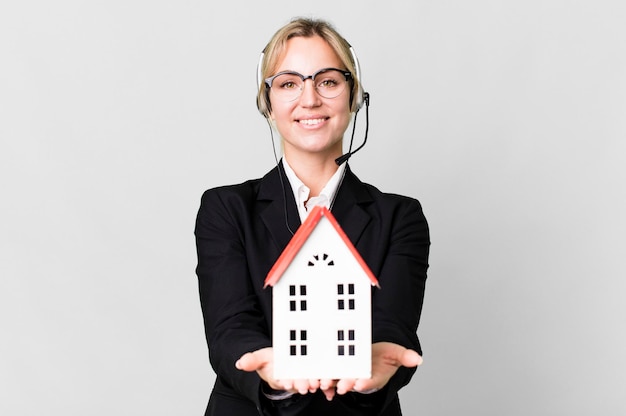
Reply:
x=301, y=192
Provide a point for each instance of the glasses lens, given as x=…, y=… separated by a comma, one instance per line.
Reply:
x=328, y=83
x=287, y=87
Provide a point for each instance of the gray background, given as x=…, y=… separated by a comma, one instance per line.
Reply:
x=506, y=119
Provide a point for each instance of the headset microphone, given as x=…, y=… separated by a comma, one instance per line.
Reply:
x=344, y=158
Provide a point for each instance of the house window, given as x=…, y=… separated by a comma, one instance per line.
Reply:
x=324, y=258
x=297, y=342
x=345, y=299
x=297, y=298
x=345, y=345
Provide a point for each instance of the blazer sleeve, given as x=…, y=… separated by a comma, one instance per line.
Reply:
x=233, y=320
x=397, y=305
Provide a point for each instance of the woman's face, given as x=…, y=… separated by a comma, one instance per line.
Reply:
x=311, y=124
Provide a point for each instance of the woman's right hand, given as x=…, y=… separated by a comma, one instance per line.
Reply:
x=262, y=361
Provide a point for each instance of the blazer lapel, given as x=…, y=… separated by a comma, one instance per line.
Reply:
x=280, y=218
x=349, y=207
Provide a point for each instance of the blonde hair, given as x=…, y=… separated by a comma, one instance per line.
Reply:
x=304, y=27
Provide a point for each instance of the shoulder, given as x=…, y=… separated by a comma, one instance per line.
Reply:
x=224, y=209
x=228, y=194
x=396, y=215
x=227, y=204
x=392, y=201
x=244, y=193
x=365, y=192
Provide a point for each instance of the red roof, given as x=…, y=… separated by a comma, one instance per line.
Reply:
x=300, y=237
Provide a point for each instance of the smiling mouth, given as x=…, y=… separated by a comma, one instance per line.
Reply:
x=312, y=121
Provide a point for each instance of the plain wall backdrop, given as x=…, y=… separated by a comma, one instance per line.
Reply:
x=506, y=119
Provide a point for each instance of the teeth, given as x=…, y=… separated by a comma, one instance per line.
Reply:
x=311, y=122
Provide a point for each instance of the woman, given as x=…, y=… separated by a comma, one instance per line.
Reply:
x=309, y=89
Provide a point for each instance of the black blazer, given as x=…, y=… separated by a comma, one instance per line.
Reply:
x=240, y=232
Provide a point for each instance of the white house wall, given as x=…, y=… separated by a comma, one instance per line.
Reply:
x=322, y=320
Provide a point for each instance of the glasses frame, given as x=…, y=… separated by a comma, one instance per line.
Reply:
x=347, y=74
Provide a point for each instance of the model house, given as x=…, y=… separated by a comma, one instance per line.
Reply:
x=321, y=304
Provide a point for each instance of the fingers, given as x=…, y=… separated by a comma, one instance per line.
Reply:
x=313, y=385
x=301, y=386
x=253, y=361
x=387, y=357
x=411, y=358
x=327, y=383
x=330, y=387
x=365, y=386
x=345, y=385
x=248, y=362
x=327, y=386
x=287, y=385
x=396, y=355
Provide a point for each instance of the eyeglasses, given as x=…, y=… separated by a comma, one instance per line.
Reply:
x=328, y=82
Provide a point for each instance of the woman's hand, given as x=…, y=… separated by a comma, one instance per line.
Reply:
x=262, y=361
x=386, y=359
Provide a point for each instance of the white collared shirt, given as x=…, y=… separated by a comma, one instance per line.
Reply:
x=301, y=192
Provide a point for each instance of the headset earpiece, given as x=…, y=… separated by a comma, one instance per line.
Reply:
x=360, y=94
x=262, y=101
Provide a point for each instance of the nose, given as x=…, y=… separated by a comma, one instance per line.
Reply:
x=309, y=96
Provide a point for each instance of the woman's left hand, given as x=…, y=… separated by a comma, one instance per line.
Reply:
x=387, y=357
